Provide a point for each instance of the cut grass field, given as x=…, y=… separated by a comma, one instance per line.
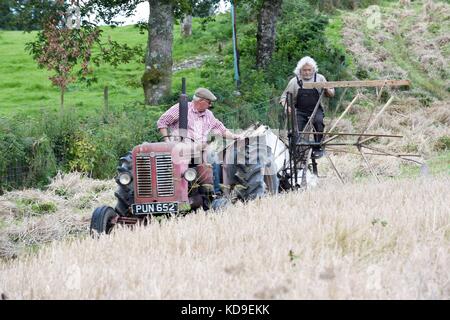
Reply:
x=24, y=88
x=409, y=43
x=407, y=59
x=405, y=43
x=368, y=241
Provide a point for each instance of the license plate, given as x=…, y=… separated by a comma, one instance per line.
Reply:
x=155, y=207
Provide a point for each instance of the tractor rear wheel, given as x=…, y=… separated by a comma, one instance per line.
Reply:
x=256, y=179
x=251, y=181
x=102, y=221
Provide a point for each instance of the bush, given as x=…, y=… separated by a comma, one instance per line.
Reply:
x=41, y=160
x=35, y=149
x=12, y=156
x=82, y=153
x=301, y=32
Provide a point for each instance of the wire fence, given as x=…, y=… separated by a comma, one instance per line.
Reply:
x=14, y=176
x=23, y=173
x=268, y=112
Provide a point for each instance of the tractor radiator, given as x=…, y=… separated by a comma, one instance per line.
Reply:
x=164, y=175
x=144, y=176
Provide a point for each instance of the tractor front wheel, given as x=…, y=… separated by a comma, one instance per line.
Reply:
x=102, y=221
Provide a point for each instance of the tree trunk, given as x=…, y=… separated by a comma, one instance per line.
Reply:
x=186, y=26
x=267, y=20
x=62, y=98
x=157, y=78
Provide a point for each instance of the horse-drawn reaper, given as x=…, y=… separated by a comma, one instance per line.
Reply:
x=173, y=177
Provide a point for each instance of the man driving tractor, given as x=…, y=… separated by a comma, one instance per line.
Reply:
x=201, y=121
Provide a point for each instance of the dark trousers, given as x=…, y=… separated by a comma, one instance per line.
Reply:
x=303, y=118
x=216, y=175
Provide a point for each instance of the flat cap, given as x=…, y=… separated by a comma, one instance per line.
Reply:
x=205, y=94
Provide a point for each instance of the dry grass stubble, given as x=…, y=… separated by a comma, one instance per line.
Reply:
x=30, y=218
x=358, y=241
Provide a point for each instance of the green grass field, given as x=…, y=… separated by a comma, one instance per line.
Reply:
x=26, y=88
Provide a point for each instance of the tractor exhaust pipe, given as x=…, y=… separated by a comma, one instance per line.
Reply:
x=183, y=105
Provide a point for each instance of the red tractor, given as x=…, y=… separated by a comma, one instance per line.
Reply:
x=166, y=178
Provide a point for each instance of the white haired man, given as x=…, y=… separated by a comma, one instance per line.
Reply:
x=306, y=99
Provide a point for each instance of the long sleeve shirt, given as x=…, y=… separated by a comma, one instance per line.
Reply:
x=200, y=124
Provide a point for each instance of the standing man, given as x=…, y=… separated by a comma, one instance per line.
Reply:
x=201, y=122
x=306, y=99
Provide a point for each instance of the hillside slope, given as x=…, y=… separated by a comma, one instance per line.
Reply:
x=403, y=42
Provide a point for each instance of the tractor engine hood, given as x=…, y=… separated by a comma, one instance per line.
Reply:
x=158, y=172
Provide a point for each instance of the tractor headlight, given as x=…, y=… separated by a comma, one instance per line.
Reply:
x=190, y=174
x=124, y=178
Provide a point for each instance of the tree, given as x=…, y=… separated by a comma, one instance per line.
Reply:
x=60, y=49
x=156, y=80
x=266, y=13
x=266, y=34
x=65, y=44
x=157, y=77
x=6, y=15
x=25, y=14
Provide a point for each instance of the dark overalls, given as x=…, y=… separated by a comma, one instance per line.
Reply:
x=305, y=104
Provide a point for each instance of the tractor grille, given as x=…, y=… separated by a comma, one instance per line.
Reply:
x=144, y=176
x=164, y=175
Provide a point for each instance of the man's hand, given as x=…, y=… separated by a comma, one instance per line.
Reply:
x=229, y=135
x=287, y=110
x=329, y=92
x=235, y=136
x=238, y=136
x=165, y=134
